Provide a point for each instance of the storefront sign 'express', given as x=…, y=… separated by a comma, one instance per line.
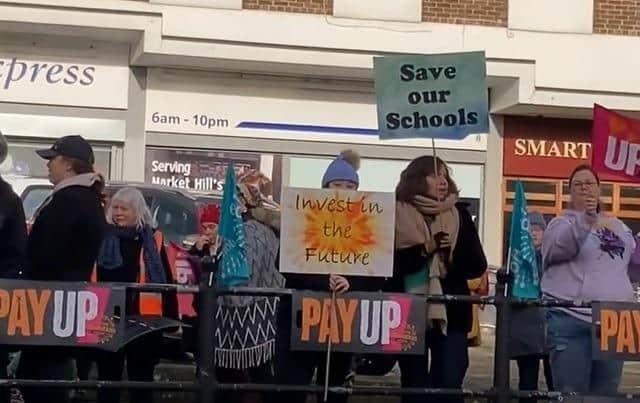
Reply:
x=14, y=71
x=99, y=78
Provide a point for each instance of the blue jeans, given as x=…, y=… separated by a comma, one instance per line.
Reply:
x=572, y=363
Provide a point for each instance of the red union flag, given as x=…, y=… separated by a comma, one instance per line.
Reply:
x=616, y=145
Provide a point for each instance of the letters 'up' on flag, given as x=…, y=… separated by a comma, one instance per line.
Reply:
x=233, y=270
x=522, y=254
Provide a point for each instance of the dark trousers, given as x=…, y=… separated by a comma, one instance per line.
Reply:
x=262, y=374
x=45, y=364
x=449, y=364
x=5, y=393
x=528, y=373
x=83, y=368
x=141, y=357
x=298, y=367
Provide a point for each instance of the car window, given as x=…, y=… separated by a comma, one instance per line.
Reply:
x=175, y=220
x=32, y=198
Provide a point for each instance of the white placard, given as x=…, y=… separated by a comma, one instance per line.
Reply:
x=327, y=231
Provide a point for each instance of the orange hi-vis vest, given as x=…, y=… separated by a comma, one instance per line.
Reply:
x=150, y=302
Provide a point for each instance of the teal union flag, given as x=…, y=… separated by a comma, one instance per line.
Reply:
x=522, y=254
x=233, y=270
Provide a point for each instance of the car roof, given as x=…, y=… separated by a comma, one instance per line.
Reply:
x=190, y=194
x=194, y=195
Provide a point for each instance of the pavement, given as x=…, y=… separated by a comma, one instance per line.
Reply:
x=479, y=376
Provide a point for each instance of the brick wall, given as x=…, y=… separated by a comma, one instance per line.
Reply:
x=473, y=12
x=291, y=6
x=616, y=17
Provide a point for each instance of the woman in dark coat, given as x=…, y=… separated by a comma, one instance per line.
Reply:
x=527, y=344
x=64, y=241
x=437, y=251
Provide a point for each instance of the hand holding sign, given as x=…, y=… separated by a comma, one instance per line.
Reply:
x=338, y=284
x=442, y=240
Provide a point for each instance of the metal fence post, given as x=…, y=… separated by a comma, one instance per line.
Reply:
x=207, y=301
x=501, y=365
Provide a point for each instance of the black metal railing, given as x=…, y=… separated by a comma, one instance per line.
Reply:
x=206, y=386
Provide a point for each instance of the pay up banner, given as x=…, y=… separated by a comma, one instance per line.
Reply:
x=326, y=231
x=359, y=322
x=616, y=331
x=439, y=96
x=616, y=145
x=61, y=314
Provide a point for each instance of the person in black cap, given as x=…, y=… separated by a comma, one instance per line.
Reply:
x=13, y=233
x=63, y=245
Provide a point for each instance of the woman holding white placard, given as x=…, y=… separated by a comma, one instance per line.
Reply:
x=298, y=368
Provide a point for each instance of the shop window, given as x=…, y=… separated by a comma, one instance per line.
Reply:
x=23, y=167
x=506, y=228
x=204, y=171
x=620, y=200
x=380, y=175
x=539, y=194
x=630, y=199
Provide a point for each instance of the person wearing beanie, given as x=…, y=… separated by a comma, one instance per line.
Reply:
x=209, y=220
x=342, y=172
x=528, y=341
x=13, y=232
x=298, y=368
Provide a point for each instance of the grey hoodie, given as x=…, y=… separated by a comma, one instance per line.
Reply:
x=587, y=263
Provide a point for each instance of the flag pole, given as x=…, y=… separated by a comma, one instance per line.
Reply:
x=435, y=172
x=328, y=363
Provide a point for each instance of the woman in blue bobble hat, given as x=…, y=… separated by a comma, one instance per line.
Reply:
x=298, y=368
x=342, y=172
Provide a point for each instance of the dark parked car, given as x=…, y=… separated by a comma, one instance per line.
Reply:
x=175, y=210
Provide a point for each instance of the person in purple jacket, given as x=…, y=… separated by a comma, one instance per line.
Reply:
x=586, y=257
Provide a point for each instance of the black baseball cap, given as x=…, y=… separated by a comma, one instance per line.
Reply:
x=69, y=146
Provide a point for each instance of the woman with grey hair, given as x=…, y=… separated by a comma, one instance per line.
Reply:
x=133, y=252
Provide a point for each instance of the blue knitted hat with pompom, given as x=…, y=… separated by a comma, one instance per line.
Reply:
x=340, y=170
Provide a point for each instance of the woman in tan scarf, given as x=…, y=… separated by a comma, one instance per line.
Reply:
x=437, y=251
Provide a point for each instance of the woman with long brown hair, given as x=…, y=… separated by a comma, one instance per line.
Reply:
x=437, y=251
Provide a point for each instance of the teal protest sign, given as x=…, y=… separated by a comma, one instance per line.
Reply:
x=440, y=96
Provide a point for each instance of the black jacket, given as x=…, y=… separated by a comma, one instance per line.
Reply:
x=66, y=236
x=129, y=272
x=13, y=233
x=469, y=262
